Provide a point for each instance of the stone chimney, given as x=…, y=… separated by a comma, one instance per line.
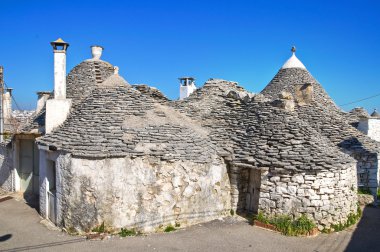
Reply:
x=187, y=87
x=57, y=109
x=43, y=96
x=7, y=96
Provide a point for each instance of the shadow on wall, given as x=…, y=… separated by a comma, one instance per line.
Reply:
x=366, y=236
x=351, y=143
x=5, y=172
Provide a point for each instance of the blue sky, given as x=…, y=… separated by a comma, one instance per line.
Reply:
x=155, y=42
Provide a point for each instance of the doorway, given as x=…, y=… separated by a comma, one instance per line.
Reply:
x=253, y=191
x=28, y=168
x=51, y=192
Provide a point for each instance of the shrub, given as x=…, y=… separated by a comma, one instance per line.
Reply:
x=283, y=224
x=99, y=229
x=287, y=225
x=303, y=225
x=262, y=218
x=125, y=232
x=169, y=228
x=351, y=220
x=364, y=190
x=232, y=212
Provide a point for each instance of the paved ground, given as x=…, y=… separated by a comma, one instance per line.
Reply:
x=21, y=230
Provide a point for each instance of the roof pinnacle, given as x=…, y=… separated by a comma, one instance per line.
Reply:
x=293, y=50
x=375, y=113
x=293, y=61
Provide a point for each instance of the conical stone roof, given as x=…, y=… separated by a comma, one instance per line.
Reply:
x=293, y=77
x=117, y=121
x=320, y=112
x=83, y=78
x=375, y=114
x=250, y=132
x=80, y=81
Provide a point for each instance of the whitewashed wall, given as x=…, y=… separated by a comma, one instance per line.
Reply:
x=374, y=129
x=141, y=193
x=370, y=127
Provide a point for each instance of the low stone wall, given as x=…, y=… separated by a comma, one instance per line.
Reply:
x=140, y=193
x=6, y=163
x=327, y=197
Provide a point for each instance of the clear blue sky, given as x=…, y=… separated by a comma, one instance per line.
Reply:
x=154, y=42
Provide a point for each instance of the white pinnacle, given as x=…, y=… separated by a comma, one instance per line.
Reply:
x=293, y=61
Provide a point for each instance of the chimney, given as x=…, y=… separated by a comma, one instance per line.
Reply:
x=42, y=97
x=58, y=109
x=7, y=105
x=187, y=86
x=60, y=48
x=96, y=52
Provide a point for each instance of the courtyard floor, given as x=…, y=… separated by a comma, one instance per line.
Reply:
x=22, y=229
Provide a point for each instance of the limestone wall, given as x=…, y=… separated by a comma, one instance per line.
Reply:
x=327, y=197
x=140, y=192
x=6, y=164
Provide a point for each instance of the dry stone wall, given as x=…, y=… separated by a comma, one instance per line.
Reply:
x=368, y=170
x=142, y=193
x=327, y=197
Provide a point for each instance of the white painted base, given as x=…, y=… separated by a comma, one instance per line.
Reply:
x=57, y=111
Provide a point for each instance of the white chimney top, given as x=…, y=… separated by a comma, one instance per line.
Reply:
x=60, y=48
x=57, y=109
x=96, y=52
x=187, y=87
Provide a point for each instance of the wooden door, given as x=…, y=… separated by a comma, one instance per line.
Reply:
x=253, y=194
x=28, y=167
